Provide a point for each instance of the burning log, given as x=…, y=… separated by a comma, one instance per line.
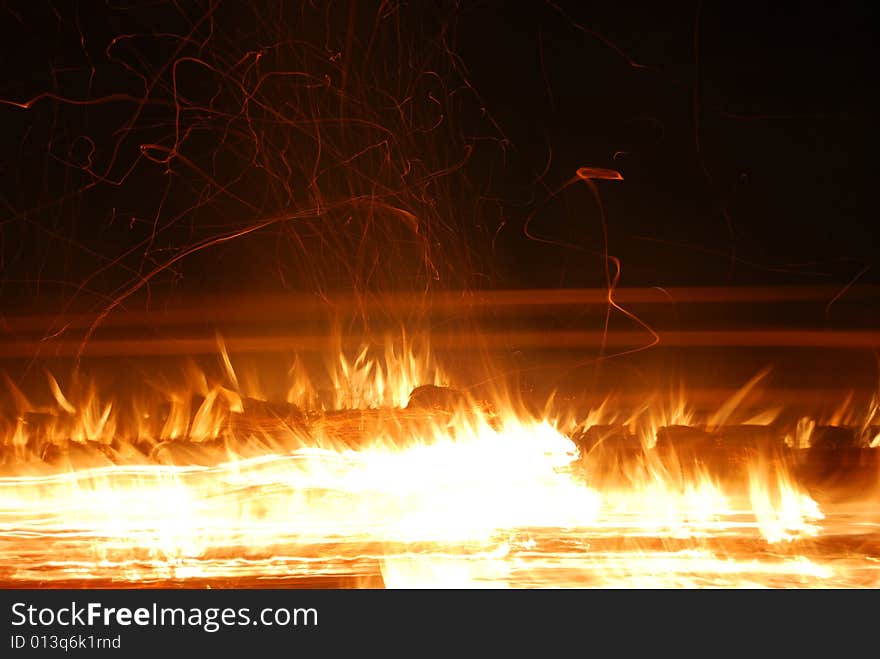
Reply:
x=183, y=452
x=836, y=456
x=400, y=427
x=287, y=412
x=725, y=451
x=690, y=439
x=429, y=396
x=834, y=438
x=256, y=415
x=79, y=455
x=607, y=452
x=606, y=437
x=43, y=423
x=751, y=438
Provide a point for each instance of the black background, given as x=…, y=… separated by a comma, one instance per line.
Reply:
x=744, y=134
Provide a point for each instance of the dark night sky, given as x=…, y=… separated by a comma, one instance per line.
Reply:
x=744, y=133
x=780, y=100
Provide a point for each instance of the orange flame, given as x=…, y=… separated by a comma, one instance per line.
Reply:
x=467, y=495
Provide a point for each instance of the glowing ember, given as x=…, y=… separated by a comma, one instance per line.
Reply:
x=472, y=495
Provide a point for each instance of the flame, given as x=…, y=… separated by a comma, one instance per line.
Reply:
x=467, y=494
x=783, y=512
x=367, y=381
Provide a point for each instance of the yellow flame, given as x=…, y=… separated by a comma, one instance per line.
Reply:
x=465, y=496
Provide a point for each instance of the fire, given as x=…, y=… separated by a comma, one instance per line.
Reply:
x=368, y=480
x=788, y=514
